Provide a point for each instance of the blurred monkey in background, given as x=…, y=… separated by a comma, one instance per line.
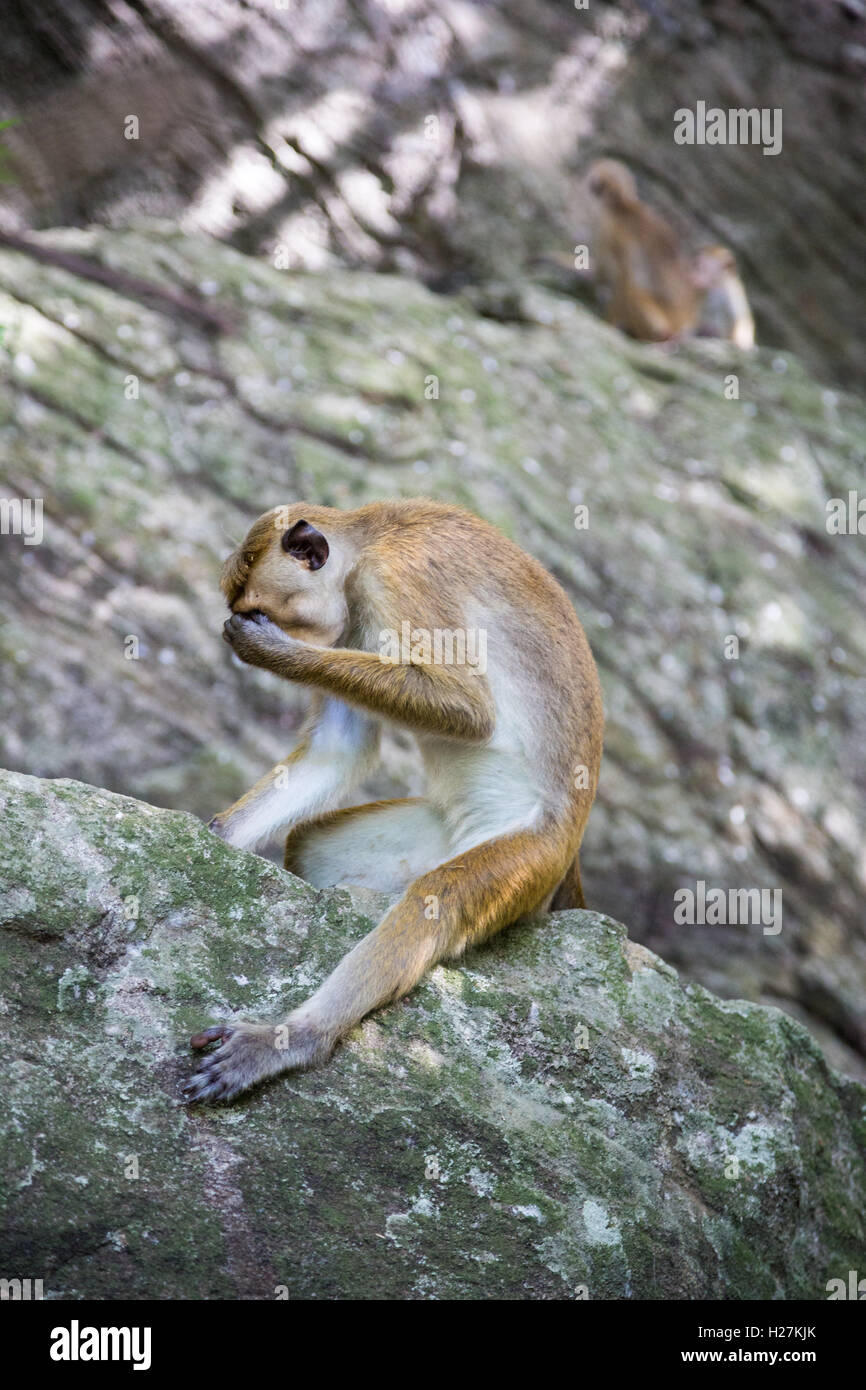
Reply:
x=652, y=287
x=724, y=308
x=645, y=277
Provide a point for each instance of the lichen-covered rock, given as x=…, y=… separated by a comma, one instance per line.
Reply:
x=556, y=1116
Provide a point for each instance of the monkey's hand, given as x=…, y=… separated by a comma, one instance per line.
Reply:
x=252, y=1052
x=257, y=640
x=218, y=825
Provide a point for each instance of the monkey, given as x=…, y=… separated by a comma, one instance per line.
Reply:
x=639, y=264
x=511, y=746
x=724, y=305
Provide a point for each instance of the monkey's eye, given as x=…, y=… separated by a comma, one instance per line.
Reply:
x=305, y=543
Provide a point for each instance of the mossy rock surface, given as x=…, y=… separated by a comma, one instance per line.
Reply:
x=558, y=1115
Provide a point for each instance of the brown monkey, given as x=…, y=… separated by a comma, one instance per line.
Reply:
x=724, y=311
x=357, y=605
x=638, y=262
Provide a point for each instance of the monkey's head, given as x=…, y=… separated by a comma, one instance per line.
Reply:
x=710, y=266
x=292, y=566
x=611, y=183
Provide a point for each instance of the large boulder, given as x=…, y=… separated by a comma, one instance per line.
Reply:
x=556, y=1116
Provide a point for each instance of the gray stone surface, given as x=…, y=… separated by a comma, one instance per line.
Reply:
x=556, y=1116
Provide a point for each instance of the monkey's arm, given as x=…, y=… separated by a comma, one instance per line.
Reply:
x=431, y=699
x=336, y=747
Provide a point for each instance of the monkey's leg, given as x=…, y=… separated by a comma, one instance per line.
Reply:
x=456, y=905
x=383, y=845
x=570, y=891
x=649, y=320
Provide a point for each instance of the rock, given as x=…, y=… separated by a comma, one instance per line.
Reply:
x=448, y=142
x=556, y=1116
x=153, y=446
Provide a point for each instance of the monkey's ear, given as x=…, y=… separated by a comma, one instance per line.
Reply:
x=307, y=544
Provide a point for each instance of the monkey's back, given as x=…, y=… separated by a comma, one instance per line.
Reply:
x=540, y=669
x=640, y=261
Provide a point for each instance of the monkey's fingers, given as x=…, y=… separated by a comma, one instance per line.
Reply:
x=217, y=826
x=232, y=627
x=219, y=1031
x=205, y=1084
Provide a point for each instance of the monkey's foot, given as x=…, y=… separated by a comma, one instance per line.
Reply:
x=252, y=1052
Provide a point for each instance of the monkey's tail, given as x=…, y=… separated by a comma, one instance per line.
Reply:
x=570, y=891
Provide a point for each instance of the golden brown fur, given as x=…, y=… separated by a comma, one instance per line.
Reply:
x=638, y=262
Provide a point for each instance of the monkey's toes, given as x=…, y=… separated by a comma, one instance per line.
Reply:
x=249, y=1053
x=246, y=1055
